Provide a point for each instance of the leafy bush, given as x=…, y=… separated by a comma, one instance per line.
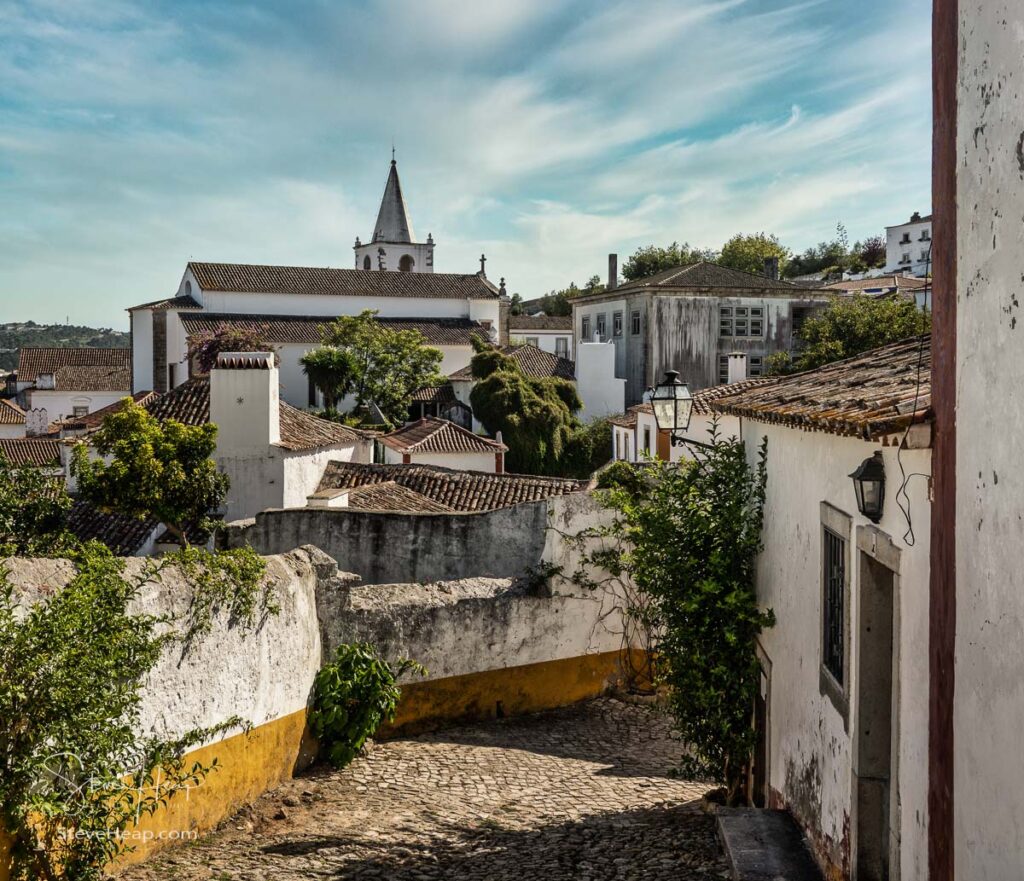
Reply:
x=352, y=696
x=33, y=512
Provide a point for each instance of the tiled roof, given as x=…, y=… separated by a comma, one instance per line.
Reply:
x=532, y=361
x=435, y=394
x=463, y=491
x=433, y=435
x=190, y=403
x=168, y=303
x=628, y=419
x=93, y=379
x=33, y=361
x=37, y=451
x=540, y=322
x=702, y=400
x=93, y=420
x=868, y=396
x=11, y=413
x=309, y=328
x=123, y=535
x=390, y=496
x=881, y=283
x=254, y=279
x=703, y=276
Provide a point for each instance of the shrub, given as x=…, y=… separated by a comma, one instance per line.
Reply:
x=352, y=696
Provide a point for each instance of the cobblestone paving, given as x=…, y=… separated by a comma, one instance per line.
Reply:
x=581, y=793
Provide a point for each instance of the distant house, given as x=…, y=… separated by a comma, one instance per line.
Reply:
x=71, y=382
x=12, y=419
x=427, y=489
x=551, y=333
x=908, y=246
x=905, y=286
x=689, y=319
x=842, y=714
x=433, y=441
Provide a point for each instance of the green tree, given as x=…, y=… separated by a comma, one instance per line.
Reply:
x=33, y=511
x=536, y=416
x=871, y=252
x=156, y=469
x=748, y=252
x=516, y=304
x=205, y=346
x=849, y=326
x=653, y=258
x=685, y=538
x=331, y=370
x=388, y=365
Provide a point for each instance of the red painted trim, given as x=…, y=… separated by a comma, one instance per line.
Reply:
x=942, y=576
x=499, y=463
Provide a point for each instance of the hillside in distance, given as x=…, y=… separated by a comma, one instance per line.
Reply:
x=15, y=334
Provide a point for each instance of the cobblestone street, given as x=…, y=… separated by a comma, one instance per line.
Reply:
x=581, y=793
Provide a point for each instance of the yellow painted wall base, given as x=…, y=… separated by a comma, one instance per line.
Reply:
x=250, y=763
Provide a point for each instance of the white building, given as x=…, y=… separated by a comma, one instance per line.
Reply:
x=292, y=303
x=433, y=441
x=62, y=383
x=602, y=391
x=550, y=333
x=12, y=419
x=908, y=246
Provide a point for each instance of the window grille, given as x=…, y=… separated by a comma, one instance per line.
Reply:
x=834, y=563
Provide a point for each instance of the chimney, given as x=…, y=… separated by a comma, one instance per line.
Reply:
x=737, y=367
x=771, y=268
x=244, y=402
x=613, y=271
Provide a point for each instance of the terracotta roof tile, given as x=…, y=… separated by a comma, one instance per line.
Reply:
x=11, y=413
x=93, y=420
x=463, y=491
x=32, y=361
x=388, y=496
x=123, y=535
x=532, y=361
x=168, y=303
x=37, y=451
x=628, y=419
x=93, y=379
x=433, y=435
x=869, y=396
x=435, y=394
x=702, y=400
x=540, y=322
x=704, y=276
x=881, y=283
x=309, y=328
x=190, y=403
x=256, y=279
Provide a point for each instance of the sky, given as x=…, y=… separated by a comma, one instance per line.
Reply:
x=135, y=136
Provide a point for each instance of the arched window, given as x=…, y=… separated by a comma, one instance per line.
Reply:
x=188, y=289
x=366, y=262
x=406, y=263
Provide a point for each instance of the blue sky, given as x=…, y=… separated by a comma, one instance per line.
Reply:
x=137, y=135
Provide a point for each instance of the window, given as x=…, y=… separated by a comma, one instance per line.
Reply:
x=188, y=289
x=647, y=439
x=616, y=324
x=834, y=674
x=562, y=347
x=925, y=235
x=723, y=369
x=905, y=239
x=311, y=393
x=602, y=326
x=406, y=263
x=585, y=328
x=834, y=576
x=366, y=262
x=905, y=258
x=634, y=322
x=80, y=410
x=924, y=255
x=755, y=365
x=533, y=341
x=742, y=321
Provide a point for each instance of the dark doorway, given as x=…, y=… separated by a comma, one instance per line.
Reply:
x=873, y=759
x=759, y=771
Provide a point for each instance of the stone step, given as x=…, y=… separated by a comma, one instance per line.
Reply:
x=763, y=845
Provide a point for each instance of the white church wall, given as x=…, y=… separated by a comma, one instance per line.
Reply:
x=142, y=350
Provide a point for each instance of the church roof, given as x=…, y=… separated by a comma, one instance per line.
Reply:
x=256, y=279
x=393, y=224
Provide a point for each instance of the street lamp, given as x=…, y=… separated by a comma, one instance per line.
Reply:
x=672, y=405
x=869, y=486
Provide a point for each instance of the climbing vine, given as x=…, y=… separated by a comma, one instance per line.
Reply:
x=681, y=550
x=352, y=696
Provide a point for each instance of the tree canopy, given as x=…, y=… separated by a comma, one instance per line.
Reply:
x=849, y=326
x=653, y=258
x=332, y=371
x=388, y=365
x=33, y=511
x=156, y=469
x=748, y=252
x=837, y=256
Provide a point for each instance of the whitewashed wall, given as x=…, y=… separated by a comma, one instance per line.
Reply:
x=60, y=405
x=810, y=748
x=455, y=461
x=603, y=393
x=142, y=350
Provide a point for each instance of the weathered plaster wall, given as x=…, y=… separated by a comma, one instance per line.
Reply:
x=810, y=761
x=989, y=690
x=386, y=548
x=457, y=461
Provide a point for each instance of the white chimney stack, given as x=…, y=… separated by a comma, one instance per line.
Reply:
x=244, y=402
x=613, y=271
x=737, y=367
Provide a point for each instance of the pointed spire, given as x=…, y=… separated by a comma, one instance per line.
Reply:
x=393, y=224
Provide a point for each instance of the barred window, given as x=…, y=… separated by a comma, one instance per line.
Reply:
x=742, y=321
x=616, y=324
x=634, y=319
x=585, y=328
x=723, y=369
x=833, y=619
x=755, y=365
x=602, y=326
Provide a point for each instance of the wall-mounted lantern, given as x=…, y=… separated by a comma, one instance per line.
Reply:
x=672, y=405
x=869, y=486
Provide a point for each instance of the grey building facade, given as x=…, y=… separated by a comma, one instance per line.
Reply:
x=690, y=318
